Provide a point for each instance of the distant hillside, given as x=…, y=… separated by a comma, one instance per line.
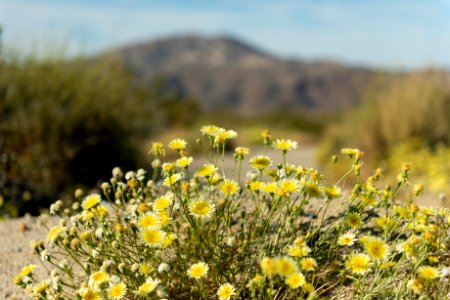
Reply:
x=223, y=72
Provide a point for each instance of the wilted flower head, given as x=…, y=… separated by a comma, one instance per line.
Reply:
x=241, y=152
x=157, y=149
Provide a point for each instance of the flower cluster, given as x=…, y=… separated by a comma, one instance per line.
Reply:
x=282, y=232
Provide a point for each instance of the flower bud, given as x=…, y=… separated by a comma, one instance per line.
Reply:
x=79, y=193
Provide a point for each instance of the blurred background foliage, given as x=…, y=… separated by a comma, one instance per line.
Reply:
x=403, y=118
x=66, y=124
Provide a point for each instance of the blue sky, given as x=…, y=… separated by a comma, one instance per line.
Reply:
x=387, y=33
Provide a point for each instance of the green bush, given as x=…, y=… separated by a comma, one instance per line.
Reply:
x=66, y=122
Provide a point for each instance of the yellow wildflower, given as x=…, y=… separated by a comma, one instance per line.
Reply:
x=91, y=201
x=226, y=291
x=260, y=162
x=427, y=273
x=229, y=187
x=284, y=145
x=153, y=237
x=358, y=263
x=206, y=170
x=198, y=270
x=177, y=144
x=295, y=280
x=117, y=291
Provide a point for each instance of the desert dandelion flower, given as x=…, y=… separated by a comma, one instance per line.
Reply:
x=117, y=291
x=222, y=135
x=91, y=201
x=206, y=170
x=255, y=186
x=241, y=152
x=146, y=269
x=153, y=237
x=287, y=186
x=167, y=168
x=268, y=266
x=177, y=144
x=376, y=248
x=54, y=233
x=358, y=263
x=229, y=187
x=184, y=162
x=346, y=239
x=295, y=280
x=225, y=291
x=308, y=264
x=90, y=294
x=201, y=208
x=415, y=285
x=41, y=287
x=333, y=192
x=171, y=180
x=98, y=278
x=427, y=273
x=209, y=130
x=284, y=145
x=270, y=187
x=198, y=270
x=286, y=266
x=150, y=220
x=298, y=250
x=354, y=220
x=260, y=162
x=28, y=269
x=313, y=189
x=147, y=287
x=162, y=203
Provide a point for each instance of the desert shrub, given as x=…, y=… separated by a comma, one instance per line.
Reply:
x=65, y=122
x=68, y=122
x=285, y=233
x=432, y=167
x=396, y=109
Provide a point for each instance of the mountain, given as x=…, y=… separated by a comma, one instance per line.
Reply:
x=223, y=72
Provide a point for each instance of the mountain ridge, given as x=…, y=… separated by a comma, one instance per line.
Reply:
x=226, y=72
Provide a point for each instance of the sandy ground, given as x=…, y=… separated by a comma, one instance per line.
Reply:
x=15, y=252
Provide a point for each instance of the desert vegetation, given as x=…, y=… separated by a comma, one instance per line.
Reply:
x=66, y=123
x=282, y=231
x=402, y=118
